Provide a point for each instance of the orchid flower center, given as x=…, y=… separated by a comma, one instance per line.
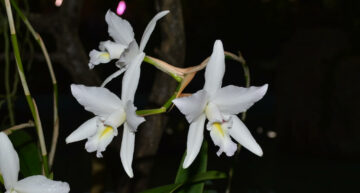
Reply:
x=105, y=55
x=107, y=131
x=11, y=191
x=218, y=128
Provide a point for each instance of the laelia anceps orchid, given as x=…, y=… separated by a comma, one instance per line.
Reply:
x=10, y=167
x=220, y=106
x=110, y=113
x=125, y=48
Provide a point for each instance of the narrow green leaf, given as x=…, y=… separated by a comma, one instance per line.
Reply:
x=197, y=167
x=199, y=178
x=29, y=155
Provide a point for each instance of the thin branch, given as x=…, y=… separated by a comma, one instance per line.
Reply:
x=29, y=99
x=19, y=127
x=9, y=101
x=53, y=80
x=41, y=140
x=54, y=143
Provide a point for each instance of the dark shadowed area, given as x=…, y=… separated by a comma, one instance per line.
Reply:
x=308, y=51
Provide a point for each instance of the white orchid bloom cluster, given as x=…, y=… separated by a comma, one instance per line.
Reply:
x=219, y=106
x=10, y=167
x=216, y=104
x=110, y=111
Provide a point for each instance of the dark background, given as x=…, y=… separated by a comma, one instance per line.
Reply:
x=306, y=50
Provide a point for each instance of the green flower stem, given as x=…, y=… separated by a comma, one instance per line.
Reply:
x=147, y=112
x=9, y=101
x=53, y=80
x=164, y=108
x=29, y=99
x=169, y=71
x=168, y=103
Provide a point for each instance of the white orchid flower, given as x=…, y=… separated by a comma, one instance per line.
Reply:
x=110, y=113
x=220, y=106
x=10, y=167
x=124, y=48
x=122, y=33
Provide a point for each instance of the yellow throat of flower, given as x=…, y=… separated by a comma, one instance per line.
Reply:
x=105, y=55
x=219, y=128
x=106, y=131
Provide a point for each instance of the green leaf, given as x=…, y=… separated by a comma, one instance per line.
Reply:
x=29, y=154
x=197, y=167
x=1, y=179
x=199, y=178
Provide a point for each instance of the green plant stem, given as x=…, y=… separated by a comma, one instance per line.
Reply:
x=164, y=108
x=147, y=112
x=29, y=99
x=167, y=71
x=53, y=80
x=7, y=77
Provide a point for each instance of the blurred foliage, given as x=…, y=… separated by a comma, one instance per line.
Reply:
x=198, y=167
x=192, y=179
x=29, y=154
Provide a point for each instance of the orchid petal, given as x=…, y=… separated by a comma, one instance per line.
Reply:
x=9, y=162
x=128, y=56
x=100, y=140
x=97, y=100
x=132, y=119
x=127, y=150
x=219, y=135
x=131, y=79
x=87, y=129
x=194, y=140
x=114, y=49
x=215, y=69
x=97, y=57
x=242, y=135
x=112, y=76
x=233, y=99
x=119, y=29
x=116, y=118
x=150, y=28
x=38, y=183
x=192, y=106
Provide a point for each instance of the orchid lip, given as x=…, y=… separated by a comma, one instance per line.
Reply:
x=107, y=130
